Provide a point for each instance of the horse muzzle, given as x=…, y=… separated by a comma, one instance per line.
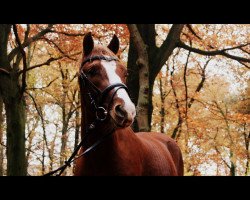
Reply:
x=123, y=115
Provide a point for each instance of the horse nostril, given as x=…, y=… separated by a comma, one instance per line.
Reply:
x=119, y=111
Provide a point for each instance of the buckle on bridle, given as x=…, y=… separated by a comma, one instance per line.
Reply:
x=101, y=113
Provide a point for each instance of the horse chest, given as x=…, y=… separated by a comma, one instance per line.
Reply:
x=112, y=162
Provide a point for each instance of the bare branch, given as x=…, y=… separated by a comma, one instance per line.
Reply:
x=26, y=35
x=243, y=64
x=24, y=59
x=236, y=47
x=224, y=161
x=200, y=85
x=44, y=63
x=59, y=49
x=214, y=53
x=48, y=62
x=44, y=86
x=192, y=31
x=244, y=50
x=177, y=103
x=67, y=34
x=72, y=112
x=36, y=106
x=167, y=47
x=76, y=75
x=39, y=111
x=185, y=85
x=26, y=43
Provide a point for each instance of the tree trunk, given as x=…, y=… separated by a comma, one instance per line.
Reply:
x=133, y=78
x=156, y=59
x=16, y=160
x=77, y=123
x=15, y=110
x=43, y=159
x=178, y=126
x=247, y=142
x=65, y=116
x=64, y=138
x=1, y=136
x=143, y=66
x=147, y=34
x=162, y=111
x=232, y=165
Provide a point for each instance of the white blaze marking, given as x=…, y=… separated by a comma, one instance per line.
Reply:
x=110, y=67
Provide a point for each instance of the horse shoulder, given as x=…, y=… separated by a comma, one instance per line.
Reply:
x=174, y=150
x=157, y=157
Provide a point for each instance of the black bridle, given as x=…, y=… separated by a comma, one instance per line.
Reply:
x=100, y=110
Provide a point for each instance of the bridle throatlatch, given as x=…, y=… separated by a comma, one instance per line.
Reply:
x=101, y=112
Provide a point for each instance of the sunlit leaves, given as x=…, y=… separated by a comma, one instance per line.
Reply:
x=217, y=124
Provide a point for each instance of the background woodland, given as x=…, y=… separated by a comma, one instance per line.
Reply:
x=189, y=81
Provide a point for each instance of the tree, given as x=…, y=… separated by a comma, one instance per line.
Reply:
x=155, y=59
x=169, y=70
x=12, y=90
x=15, y=108
x=157, y=56
x=57, y=89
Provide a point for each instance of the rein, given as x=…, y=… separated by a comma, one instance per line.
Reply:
x=100, y=111
x=73, y=158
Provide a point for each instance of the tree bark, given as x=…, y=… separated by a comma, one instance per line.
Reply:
x=162, y=111
x=177, y=105
x=133, y=78
x=247, y=142
x=16, y=160
x=64, y=137
x=143, y=66
x=1, y=136
x=157, y=56
x=77, y=122
x=15, y=110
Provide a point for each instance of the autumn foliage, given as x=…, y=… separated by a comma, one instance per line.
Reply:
x=200, y=100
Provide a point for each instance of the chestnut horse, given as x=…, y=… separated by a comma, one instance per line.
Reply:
x=102, y=81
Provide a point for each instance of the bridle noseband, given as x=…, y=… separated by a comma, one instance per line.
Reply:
x=101, y=112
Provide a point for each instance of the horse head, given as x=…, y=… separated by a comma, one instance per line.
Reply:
x=105, y=77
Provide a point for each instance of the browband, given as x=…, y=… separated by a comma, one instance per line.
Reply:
x=92, y=58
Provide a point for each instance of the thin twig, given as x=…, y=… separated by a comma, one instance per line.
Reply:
x=44, y=86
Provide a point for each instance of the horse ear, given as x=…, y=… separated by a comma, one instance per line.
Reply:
x=114, y=44
x=88, y=44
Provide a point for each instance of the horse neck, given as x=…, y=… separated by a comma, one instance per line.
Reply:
x=120, y=139
x=111, y=156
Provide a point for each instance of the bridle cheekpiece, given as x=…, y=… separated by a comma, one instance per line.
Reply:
x=101, y=112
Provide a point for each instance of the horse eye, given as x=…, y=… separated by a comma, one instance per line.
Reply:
x=126, y=75
x=92, y=72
